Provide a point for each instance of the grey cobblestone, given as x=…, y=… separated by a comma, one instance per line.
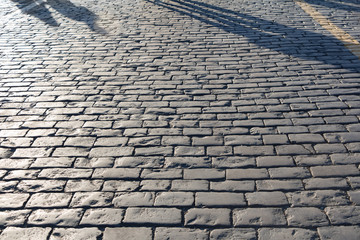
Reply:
x=119, y=185
x=229, y=185
x=189, y=119
x=312, y=160
x=180, y=233
x=102, y=216
x=94, y=199
x=334, y=171
x=306, y=217
x=52, y=162
x=13, y=217
x=318, y=198
x=25, y=233
x=82, y=185
x=213, y=199
x=235, y=233
x=48, y=200
x=343, y=215
x=13, y=200
x=116, y=173
x=174, y=199
x=259, y=217
x=339, y=232
x=162, y=216
x=55, y=173
x=133, y=199
x=247, y=174
x=81, y=234
x=189, y=185
x=128, y=233
x=156, y=185
x=266, y=199
x=282, y=185
x=325, y=183
x=287, y=233
x=207, y=217
x=58, y=217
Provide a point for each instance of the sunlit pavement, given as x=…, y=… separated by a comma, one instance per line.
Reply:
x=167, y=119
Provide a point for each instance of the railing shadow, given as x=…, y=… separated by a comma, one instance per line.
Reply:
x=65, y=8
x=268, y=34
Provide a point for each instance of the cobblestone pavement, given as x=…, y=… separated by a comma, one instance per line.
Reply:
x=178, y=119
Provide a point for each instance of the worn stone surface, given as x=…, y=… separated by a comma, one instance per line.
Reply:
x=174, y=199
x=25, y=233
x=74, y=233
x=133, y=199
x=102, y=216
x=339, y=232
x=259, y=217
x=318, y=198
x=266, y=199
x=343, y=215
x=94, y=199
x=127, y=233
x=56, y=217
x=13, y=217
x=219, y=199
x=207, y=217
x=179, y=119
x=49, y=200
x=180, y=233
x=13, y=200
x=233, y=234
x=165, y=216
x=287, y=233
x=306, y=217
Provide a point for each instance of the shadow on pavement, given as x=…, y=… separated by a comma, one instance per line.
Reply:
x=40, y=11
x=65, y=8
x=268, y=34
x=77, y=13
x=338, y=4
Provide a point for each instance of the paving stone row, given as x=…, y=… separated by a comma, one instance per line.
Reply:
x=177, y=120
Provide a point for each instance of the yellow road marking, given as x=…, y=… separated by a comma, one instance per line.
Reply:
x=349, y=42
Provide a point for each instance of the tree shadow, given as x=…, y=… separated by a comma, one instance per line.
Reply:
x=291, y=41
x=65, y=8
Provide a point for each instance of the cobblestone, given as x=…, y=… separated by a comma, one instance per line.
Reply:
x=102, y=216
x=318, y=198
x=127, y=232
x=305, y=217
x=287, y=233
x=13, y=217
x=207, y=217
x=161, y=216
x=81, y=234
x=48, y=200
x=179, y=119
x=343, y=215
x=266, y=199
x=57, y=217
x=25, y=233
x=339, y=232
x=259, y=217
